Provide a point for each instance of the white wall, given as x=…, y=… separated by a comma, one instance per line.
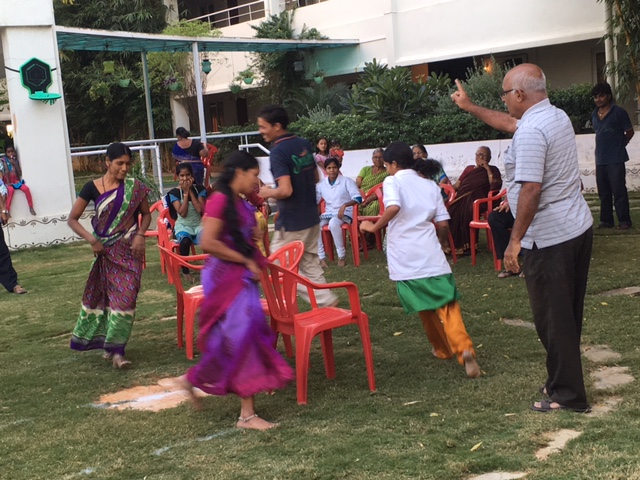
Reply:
x=456, y=156
x=410, y=32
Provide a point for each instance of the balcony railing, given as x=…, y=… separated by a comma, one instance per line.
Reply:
x=291, y=4
x=247, y=12
x=232, y=16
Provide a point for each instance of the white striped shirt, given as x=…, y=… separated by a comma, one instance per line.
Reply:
x=544, y=151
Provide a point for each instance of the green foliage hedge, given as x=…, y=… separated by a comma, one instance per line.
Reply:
x=356, y=132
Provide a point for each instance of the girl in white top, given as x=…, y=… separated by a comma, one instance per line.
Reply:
x=417, y=264
x=340, y=194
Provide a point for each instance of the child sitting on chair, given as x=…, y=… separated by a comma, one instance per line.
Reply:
x=340, y=194
x=11, y=174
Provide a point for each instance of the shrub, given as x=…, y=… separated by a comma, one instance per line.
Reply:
x=577, y=102
x=384, y=93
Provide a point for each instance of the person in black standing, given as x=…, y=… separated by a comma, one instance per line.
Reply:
x=8, y=275
x=613, y=130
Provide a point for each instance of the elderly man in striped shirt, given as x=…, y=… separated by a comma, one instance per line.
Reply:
x=553, y=224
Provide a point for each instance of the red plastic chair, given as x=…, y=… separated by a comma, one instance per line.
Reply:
x=165, y=227
x=287, y=256
x=279, y=285
x=351, y=229
x=208, y=162
x=158, y=206
x=480, y=221
x=451, y=195
x=187, y=301
x=376, y=190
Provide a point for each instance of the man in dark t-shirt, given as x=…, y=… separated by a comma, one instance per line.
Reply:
x=295, y=173
x=613, y=131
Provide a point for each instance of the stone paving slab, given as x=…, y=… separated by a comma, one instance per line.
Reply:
x=600, y=354
x=606, y=378
x=499, y=476
x=631, y=291
x=516, y=322
x=557, y=441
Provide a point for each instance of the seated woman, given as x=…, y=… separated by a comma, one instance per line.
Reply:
x=340, y=194
x=188, y=199
x=420, y=152
x=189, y=151
x=11, y=174
x=475, y=182
x=370, y=177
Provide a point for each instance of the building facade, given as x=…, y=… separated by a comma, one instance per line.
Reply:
x=444, y=36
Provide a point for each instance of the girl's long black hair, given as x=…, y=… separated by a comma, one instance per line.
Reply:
x=243, y=161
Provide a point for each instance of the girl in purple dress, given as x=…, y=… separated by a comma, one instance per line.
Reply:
x=237, y=345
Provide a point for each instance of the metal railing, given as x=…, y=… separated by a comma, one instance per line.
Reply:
x=153, y=147
x=231, y=16
x=291, y=4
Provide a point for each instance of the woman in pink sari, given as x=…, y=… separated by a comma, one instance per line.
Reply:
x=237, y=345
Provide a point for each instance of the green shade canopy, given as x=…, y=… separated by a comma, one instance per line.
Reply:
x=114, y=41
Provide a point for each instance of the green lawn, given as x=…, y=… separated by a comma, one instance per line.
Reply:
x=421, y=423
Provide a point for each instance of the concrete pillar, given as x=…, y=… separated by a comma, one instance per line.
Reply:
x=40, y=130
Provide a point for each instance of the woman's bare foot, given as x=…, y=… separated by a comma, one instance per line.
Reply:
x=186, y=385
x=254, y=422
x=470, y=365
x=119, y=362
x=323, y=263
x=342, y=262
x=107, y=356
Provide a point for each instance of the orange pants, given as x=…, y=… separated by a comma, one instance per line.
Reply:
x=446, y=331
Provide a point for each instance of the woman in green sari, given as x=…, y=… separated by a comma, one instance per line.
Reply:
x=117, y=241
x=370, y=177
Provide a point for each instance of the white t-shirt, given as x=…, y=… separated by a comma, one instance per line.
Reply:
x=342, y=191
x=413, y=249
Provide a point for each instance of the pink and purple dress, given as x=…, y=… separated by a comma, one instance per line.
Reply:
x=237, y=345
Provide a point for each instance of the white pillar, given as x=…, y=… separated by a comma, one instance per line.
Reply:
x=40, y=130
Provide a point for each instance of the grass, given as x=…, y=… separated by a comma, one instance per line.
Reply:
x=49, y=430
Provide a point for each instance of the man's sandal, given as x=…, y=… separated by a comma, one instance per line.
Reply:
x=19, y=290
x=507, y=274
x=545, y=407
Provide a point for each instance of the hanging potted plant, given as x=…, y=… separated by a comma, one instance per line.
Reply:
x=172, y=82
x=235, y=88
x=318, y=76
x=122, y=75
x=246, y=75
x=108, y=67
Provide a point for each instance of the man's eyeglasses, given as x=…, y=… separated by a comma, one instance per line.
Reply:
x=505, y=92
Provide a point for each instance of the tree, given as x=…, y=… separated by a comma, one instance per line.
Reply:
x=98, y=110
x=278, y=70
x=624, y=28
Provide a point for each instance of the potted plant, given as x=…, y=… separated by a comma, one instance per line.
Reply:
x=172, y=82
x=108, y=67
x=246, y=75
x=318, y=76
x=122, y=75
x=235, y=88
